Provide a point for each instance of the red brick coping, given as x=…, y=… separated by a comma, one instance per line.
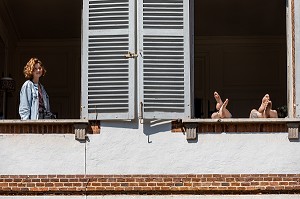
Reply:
x=150, y=184
x=237, y=125
x=59, y=126
x=67, y=126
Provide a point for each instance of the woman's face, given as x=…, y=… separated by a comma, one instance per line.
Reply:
x=37, y=71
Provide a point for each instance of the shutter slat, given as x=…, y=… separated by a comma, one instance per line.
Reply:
x=101, y=12
x=108, y=87
x=154, y=14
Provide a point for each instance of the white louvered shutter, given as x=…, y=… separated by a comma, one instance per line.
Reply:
x=164, y=64
x=107, y=76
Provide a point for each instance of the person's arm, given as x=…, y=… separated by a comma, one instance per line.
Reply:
x=25, y=101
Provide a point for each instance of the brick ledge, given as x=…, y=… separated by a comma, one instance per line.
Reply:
x=150, y=184
x=57, y=126
x=237, y=125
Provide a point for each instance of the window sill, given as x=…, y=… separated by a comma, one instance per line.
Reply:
x=193, y=126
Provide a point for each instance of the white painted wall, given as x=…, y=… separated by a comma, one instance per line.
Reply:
x=129, y=148
x=41, y=154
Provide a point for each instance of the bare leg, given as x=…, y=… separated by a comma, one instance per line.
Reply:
x=266, y=113
x=218, y=100
x=215, y=115
x=273, y=114
x=264, y=103
x=221, y=107
x=224, y=113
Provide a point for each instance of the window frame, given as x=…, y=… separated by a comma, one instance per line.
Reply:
x=292, y=31
x=293, y=101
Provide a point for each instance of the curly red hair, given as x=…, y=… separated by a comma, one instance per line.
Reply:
x=29, y=68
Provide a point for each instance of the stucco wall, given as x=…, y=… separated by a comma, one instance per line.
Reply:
x=132, y=148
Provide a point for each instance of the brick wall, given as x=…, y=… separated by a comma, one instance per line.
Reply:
x=150, y=184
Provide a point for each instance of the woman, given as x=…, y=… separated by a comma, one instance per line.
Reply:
x=34, y=100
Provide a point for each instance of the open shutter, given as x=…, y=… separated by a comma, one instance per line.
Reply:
x=164, y=64
x=107, y=75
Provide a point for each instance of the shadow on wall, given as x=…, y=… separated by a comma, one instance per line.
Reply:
x=120, y=124
x=151, y=127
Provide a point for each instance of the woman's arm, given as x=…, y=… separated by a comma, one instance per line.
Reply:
x=25, y=101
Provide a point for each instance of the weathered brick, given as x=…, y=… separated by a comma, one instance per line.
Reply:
x=283, y=183
x=264, y=183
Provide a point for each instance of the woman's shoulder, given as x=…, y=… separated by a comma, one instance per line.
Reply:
x=27, y=83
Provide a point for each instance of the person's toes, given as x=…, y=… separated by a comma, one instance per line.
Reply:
x=225, y=103
x=217, y=97
x=265, y=98
x=218, y=100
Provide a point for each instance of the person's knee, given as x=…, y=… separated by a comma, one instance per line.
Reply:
x=215, y=115
x=273, y=114
x=254, y=113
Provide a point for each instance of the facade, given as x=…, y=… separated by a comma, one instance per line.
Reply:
x=132, y=81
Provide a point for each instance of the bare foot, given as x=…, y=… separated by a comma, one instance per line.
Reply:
x=218, y=100
x=222, y=112
x=264, y=103
x=266, y=113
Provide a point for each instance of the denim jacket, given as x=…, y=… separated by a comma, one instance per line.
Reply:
x=29, y=102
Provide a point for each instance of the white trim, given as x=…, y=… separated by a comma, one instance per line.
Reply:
x=297, y=55
x=84, y=61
